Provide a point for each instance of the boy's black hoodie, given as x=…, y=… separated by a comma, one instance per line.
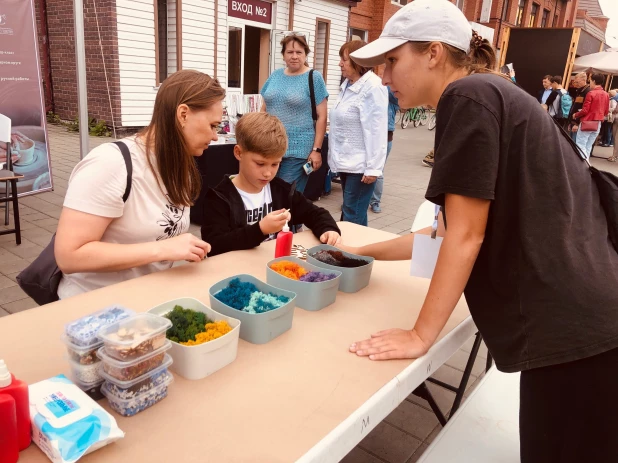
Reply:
x=225, y=221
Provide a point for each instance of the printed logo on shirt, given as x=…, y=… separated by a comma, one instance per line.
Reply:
x=255, y=215
x=172, y=222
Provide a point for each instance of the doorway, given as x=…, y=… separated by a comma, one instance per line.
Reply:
x=248, y=58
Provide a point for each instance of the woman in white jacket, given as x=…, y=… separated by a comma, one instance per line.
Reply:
x=358, y=134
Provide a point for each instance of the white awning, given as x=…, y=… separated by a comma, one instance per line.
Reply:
x=605, y=62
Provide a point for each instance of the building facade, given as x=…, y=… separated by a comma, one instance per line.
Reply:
x=133, y=45
x=369, y=17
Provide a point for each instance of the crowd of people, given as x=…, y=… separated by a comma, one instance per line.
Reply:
x=586, y=110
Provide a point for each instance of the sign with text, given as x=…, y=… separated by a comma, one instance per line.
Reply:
x=252, y=10
x=21, y=97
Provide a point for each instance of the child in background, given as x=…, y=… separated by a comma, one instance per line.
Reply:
x=251, y=207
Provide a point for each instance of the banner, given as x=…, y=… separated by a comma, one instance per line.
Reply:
x=21, y=97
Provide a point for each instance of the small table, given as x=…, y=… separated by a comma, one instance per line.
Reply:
x=12, y=178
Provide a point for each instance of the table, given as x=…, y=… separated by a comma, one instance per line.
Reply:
x=302, y=396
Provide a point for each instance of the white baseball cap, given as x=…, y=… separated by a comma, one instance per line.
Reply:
x=419, y=21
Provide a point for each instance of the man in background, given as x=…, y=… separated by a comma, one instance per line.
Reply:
x=559, y=103
x=579, y=96
x=544, y=94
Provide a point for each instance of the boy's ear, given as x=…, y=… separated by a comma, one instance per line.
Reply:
x=237, y=152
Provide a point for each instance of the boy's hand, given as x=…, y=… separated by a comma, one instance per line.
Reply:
x=274, y=221
x=331, y=237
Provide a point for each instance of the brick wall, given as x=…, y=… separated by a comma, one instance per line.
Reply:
x=61, y=48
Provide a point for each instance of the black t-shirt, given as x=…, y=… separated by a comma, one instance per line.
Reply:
x=544, y=288
x=578, y=100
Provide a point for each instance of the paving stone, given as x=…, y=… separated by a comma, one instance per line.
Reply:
x=6, y=282
x=12, y=276
x=11, y=294
x=460, y=358
x=443, y=397
x=391, y=444
x=413, y=419
x=358, y=455
x=20, y=305
x=7, y=268
x=6, y=256
x=418, y=454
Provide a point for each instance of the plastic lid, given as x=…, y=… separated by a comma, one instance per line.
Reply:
x=134, y=330
x=167, y=361
x=285, y=227
x=95, y=344
x=5, y=375
x=86, y=386
x=118, y=364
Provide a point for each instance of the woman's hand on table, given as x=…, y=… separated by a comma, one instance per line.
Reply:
x=331, y=237
x=183, y=247
x=391, y=344
x=316, y=160
x=369, y=179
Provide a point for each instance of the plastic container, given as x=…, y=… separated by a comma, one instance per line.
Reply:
x=9, y=447
x=83, y=331
x=18, y=389
x=352, y=279
x=309, y=296
x=257, y=328
x=283, y=246
x=127, y=371
x=134, y=337
x=125, y=390
x=131, y=407
x=197, y=362
x=87, y=374
x=92, y=390
x=84, y=355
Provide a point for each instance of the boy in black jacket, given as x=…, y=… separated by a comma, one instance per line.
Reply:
x=251, y=207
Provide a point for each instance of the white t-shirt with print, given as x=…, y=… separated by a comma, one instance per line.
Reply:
x=97, y=186
x=257, y=205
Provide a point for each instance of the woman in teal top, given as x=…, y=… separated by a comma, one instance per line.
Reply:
x=286, y=95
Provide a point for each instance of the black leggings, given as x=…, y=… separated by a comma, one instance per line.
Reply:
x=569, y=413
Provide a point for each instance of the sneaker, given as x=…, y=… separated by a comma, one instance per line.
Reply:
x=428, y=160
x=375, y=208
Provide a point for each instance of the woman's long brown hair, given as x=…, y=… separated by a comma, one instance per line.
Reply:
x=166, y=148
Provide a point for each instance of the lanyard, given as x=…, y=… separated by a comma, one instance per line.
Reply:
x=434, y=226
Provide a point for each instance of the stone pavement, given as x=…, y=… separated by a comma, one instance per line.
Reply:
x=405, y=434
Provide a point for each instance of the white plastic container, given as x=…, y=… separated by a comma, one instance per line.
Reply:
x=87, y=374
x=127, y=371
x=83, y=331
x=134, y=337
x=131, y=407
x=197, y=362
x=84, y=355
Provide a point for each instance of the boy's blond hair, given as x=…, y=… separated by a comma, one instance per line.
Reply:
x=263, y=134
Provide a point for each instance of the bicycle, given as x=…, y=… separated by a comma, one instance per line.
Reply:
x=418, y=116
x=399, y=115
x=432, y=122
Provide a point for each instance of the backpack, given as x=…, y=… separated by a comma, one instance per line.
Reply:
x=566, y=103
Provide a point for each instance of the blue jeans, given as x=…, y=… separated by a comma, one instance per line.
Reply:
x=377, y=193
x=585, y=140
x=356, y=197
x=291, y=170
x=607, y=136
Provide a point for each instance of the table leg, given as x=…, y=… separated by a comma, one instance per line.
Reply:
x=466, y=375
x=15, y=211
x=6, y=204
x=424, y=393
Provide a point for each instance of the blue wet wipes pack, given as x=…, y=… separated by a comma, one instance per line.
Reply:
x=66, y=423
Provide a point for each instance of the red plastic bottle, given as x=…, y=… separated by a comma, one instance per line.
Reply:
x=283, y=247
x=9, y=385
x=9, y=448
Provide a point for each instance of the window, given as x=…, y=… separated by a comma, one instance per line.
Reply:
x=400, y=2
x=520, y=13
x=544, y=18
x=358, y=34
x=533, y=15
x=322, y=38
x=505, y=10
x=234, y=57
x=459, y=4
x=555, y=23
x=168, y=38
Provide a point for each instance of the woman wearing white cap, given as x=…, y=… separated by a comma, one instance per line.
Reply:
x=526, y=239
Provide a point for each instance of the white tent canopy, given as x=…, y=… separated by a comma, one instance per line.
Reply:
x=605, y=62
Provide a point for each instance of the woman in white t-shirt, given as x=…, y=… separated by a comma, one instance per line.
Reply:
x=102, y=240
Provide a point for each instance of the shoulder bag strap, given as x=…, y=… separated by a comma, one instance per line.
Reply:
x=126, y=154
x=314, y=111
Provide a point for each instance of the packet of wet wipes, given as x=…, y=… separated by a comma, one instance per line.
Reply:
x=66, y=423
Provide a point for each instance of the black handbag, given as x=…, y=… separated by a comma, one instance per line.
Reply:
x=314, y=110
x=41, y=278
x=607, y=184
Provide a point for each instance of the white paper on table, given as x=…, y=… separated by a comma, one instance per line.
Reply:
x=425, y=252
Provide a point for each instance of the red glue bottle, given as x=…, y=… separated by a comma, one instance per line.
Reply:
x=283, y=247
x=9, y=448
x=18, y=390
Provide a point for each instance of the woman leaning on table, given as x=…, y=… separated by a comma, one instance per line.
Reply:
x=526, y=238
x=286, y=95
x=102, y=240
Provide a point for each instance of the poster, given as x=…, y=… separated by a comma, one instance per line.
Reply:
x=21, y=97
